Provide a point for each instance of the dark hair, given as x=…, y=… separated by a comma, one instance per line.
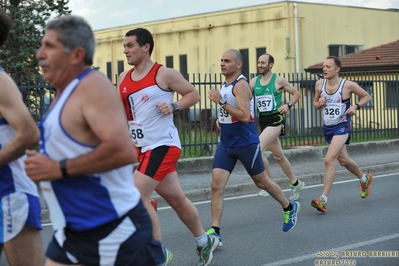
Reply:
x=336, y=60
x=73, y=32
x=6, y=25
x=143, y=36
x=271, y=58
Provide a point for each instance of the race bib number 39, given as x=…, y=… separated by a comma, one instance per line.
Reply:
x=224, y=116
x=137, y=134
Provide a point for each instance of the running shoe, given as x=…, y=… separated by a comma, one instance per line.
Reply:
x=154, y=204
x=212, y=232
x=320, y=204
x=205, y=253
x=168, y=257
x=290, y=217
x=365, y=187
x=295, y=190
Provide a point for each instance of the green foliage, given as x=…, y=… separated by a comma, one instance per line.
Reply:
x=17, y=56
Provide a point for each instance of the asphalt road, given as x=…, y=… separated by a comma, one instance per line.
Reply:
x=354, y=231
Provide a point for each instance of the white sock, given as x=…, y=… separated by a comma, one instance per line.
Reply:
x=202, y=240
x=363, y=179
x=324, y=197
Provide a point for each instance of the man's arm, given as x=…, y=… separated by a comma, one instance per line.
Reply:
x=120, y=79
x=243, y=95
x=318, y=101
x=13, y=109
x=103, y=114
x=353, y=87
x=252, y=83
x=283, y=84
x=173, y=80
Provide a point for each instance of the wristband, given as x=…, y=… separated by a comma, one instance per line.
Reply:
x=63, y=168
x=358, y=106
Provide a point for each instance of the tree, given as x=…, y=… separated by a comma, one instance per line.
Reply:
x=17, y=56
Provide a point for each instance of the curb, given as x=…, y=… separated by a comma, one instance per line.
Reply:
x=294, y=154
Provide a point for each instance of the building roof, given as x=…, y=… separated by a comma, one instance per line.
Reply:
x=384, y=57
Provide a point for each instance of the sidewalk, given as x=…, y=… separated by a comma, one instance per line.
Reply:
x=379, y=157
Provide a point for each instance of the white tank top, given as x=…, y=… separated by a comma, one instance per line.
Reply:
x=86, y=201
x=335, y=108
x=149, y=128
x=12, y=176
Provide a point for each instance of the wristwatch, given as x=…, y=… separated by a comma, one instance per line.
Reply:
x=222, y=102
x=289, y=105
x=175, y=108
x=63, y=169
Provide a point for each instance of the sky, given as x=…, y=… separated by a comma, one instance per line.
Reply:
x=103, y=14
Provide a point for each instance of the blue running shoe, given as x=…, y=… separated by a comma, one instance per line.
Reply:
x=290, y=217
x=211, y=232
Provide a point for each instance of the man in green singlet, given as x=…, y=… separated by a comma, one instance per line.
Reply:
x=268, y=90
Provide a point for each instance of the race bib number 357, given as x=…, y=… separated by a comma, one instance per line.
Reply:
x=264, y=103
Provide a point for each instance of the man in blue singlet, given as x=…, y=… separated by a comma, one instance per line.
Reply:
x=19, y=199
x=239, y=140
x=85, y=163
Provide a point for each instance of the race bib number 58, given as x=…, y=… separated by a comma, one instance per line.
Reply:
x=137, y=134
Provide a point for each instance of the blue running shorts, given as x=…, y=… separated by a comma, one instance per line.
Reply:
x=17, y=210
x=251, y=158
x=340, y=129
x=124, y=241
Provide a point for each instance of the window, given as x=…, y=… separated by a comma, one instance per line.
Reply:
x=183, y=65
x=169, y=61
x=120, y=67
x=368, y=86
x=343, y=49
x=259, y=52
x=109, y=70
x=392, y=94
x=245, y=65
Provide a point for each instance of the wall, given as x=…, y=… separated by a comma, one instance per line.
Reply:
x=204, y=37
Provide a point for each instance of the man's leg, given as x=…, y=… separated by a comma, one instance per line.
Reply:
x=334, y=149
x=264, y=182
x=25, y=248
x=278, y=154
x=290, y=209
x=146, y=186
x=345, y=161
x=219, y=181
x=268, y=136
x=171, y=190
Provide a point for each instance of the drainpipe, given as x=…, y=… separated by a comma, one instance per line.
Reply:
x=297, y=57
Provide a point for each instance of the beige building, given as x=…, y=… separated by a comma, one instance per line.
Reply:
x=297, y=34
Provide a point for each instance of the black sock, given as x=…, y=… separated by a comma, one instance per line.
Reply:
x=289, y=208
x=217, y=230
x=296, y=183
